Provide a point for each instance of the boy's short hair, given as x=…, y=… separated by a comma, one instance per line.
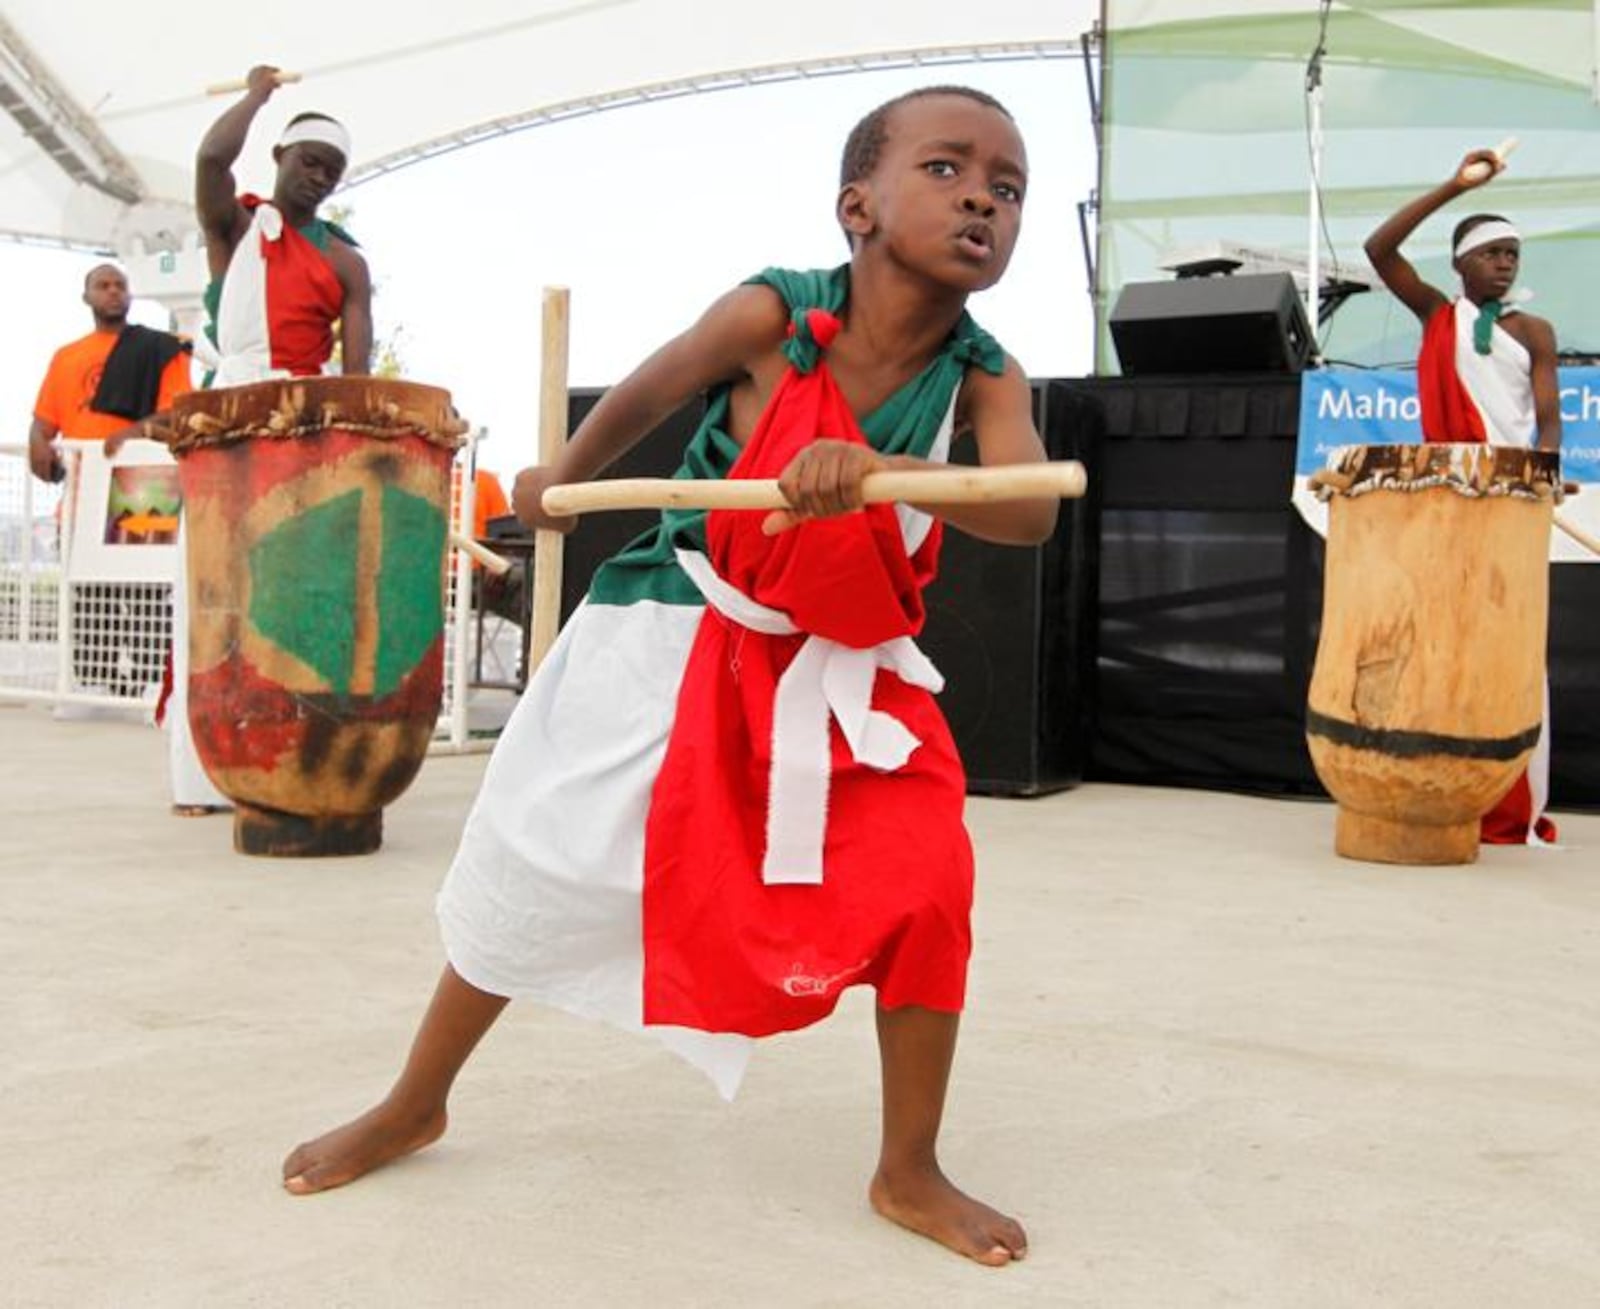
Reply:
x=1471, y=221
x=864, y=145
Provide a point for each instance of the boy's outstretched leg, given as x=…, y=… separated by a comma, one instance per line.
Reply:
x=412, y=1115
x=917, y=1047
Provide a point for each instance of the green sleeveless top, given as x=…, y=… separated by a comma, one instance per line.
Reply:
x=907, y=423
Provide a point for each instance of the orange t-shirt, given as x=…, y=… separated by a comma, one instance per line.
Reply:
x=74, y=377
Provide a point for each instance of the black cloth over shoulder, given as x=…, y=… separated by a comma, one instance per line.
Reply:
x=131, y=383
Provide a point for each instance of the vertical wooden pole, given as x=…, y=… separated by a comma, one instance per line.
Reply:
x=545, y=619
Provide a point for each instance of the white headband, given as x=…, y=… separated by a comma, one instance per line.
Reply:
x=321, y=131
x=1484, y=233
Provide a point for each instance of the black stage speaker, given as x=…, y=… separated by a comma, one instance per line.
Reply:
x=1008, y=627
x=1250, y=323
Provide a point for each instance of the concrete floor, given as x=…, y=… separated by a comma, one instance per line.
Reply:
x=1205, y=1061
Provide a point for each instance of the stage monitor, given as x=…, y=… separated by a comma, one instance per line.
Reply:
x=1198, y=325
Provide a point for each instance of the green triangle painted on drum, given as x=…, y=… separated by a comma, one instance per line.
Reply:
x=410, y=586
x=303, y=587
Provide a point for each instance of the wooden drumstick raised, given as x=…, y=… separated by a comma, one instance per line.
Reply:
x=496, y=564
x=241, y=84
x=1065, y=479
x=1474, y=172
x=545, y=610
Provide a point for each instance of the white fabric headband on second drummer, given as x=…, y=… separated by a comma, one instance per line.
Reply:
x=1495, y=230
x=318, y=130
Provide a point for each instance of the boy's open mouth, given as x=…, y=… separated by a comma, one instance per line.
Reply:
x=976, y=239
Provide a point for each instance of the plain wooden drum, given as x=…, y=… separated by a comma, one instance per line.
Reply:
x=317, y=511
x=1428, y=689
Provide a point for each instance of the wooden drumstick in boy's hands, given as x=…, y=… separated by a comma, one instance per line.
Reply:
x=1064, y=478
x=1481, y=170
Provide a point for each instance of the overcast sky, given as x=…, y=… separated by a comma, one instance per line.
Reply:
x=647, y=214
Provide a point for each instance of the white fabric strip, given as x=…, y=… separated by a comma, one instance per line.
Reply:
x=1497, y=382
x=543, y=899
x=244, y=339
x=1484, y=233
x=825, y=680
x=317, y=131
x=914, y=524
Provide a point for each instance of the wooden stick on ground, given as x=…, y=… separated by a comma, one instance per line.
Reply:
x=545, y=618
x=1064, y=478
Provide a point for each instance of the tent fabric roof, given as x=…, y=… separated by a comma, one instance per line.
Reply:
x=117, y=93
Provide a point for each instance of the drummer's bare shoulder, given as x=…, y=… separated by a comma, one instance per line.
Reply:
x=996, y=410
x=1537, y=335
x=351, y=267
x=737, y=340
x=1538, y=338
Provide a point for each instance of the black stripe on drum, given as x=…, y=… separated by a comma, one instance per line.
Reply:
x=1411, y=745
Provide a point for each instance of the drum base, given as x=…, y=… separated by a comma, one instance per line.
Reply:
x=283, y=835
x=1380, y=841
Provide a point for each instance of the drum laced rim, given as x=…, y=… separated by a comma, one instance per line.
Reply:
x=1479, y=471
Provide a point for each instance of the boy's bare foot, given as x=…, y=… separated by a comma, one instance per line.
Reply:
x=926, y=1201
x=380, y=1136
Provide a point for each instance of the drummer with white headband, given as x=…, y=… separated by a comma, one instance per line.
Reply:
x=315, y=273
x=281, y=278
x=1486, y=372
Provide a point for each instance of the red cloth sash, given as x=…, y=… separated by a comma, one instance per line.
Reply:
x=1448, y=411
x=723, y=950
x=304, y=300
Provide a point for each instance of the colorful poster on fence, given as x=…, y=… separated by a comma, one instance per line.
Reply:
x=1349, y=406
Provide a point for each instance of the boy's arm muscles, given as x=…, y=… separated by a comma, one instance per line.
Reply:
x=1541, y=342
x=730, y=337
x=999, y=411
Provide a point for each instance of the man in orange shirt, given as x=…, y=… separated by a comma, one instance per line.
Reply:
x=101, y=383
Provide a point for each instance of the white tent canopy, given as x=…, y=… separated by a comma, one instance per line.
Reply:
x=105, y=104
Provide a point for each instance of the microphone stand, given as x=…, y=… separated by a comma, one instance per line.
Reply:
x=1314, y=134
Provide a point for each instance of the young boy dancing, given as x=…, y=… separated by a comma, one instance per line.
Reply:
x=728, y=793
x=1486, y=372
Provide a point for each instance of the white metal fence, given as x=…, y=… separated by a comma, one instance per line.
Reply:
x=66, y=640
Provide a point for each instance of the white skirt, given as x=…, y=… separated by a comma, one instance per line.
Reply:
x=543, y=900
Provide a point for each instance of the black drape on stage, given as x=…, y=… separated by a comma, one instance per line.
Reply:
x=1165, y=635
x=1210, y=597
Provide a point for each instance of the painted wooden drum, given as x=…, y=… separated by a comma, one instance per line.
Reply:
x=317, y=518
x=1428, y=689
